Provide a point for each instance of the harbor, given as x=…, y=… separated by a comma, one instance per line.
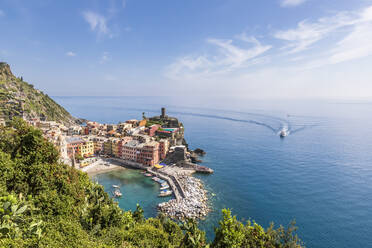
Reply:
x=155, y=145
x=189, y=195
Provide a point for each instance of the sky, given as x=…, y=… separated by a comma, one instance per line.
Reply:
x=237, y=48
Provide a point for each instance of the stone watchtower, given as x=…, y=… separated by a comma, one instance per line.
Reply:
x=162, y=113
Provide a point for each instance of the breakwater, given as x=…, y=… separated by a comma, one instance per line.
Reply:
x=190, y=196
x=193, y=205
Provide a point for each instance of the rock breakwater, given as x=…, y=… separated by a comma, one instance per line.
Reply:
x=193, y=205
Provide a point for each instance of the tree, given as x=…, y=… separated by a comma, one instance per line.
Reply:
x=230, y=232
x=138, y=214
x=193, y=237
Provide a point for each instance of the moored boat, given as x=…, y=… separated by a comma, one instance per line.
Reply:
x=117, y=193
x=165, y=193
x=164, y=187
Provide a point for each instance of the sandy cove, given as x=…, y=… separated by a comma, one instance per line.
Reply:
x=101, y=166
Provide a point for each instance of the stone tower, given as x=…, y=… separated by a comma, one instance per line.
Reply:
x=162, y=113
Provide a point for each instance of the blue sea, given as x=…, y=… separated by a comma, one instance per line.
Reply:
x=319, y=175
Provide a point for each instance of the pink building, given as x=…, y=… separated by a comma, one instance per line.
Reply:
x=143, y=153
x=149, y=154
x=163, y=148
x=152, y=129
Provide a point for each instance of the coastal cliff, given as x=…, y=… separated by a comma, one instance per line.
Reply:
x=19, y=98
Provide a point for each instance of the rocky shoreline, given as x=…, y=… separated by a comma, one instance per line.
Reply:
x=194, y=205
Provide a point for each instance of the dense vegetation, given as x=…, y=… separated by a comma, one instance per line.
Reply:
x=44, y=203
x=19, y=98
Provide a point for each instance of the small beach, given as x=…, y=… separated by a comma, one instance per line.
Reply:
x=101, y=166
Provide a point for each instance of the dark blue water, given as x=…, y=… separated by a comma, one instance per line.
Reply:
x=320, y=175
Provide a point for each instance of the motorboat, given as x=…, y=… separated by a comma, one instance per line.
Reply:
x=283, y=133
x=148, y=175
x=164, y=187
x=165, y=193
x=117, y=193
x=115, y=186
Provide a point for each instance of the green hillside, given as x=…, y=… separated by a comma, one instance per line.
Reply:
x=44, y=203
x=18, y=98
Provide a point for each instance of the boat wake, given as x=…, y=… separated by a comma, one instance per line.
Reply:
x=278, y=126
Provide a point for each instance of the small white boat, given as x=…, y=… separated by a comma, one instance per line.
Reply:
x=117, y=193
x=115, y=186
x=164, y=187
x=165, y=193
x=283, y=133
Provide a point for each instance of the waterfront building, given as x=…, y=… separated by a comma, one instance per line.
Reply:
x=107, y=147
x=148, y=154
x=116, y=147
x=163, y=148
x=129, y=150
x=143, y=153
x=87, y=148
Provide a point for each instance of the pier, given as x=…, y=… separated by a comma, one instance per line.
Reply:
x=190, y=196
x=172, y=181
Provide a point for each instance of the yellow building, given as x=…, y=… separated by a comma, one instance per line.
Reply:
x=87, y=148
x=116, y=148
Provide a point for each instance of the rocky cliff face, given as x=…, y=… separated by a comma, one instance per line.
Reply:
x=18, y=98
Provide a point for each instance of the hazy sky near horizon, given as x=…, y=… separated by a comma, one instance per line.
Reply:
x=253, y=49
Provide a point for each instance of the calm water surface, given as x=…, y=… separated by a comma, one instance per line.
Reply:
x=320, y=175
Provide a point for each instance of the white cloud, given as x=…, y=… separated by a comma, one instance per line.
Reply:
x=71, y=54
x=308, y=33
x=97, y=22
x=356, y=45
x=291, y=3
x=229, y=57
x=356, y=42
x=329, y=69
